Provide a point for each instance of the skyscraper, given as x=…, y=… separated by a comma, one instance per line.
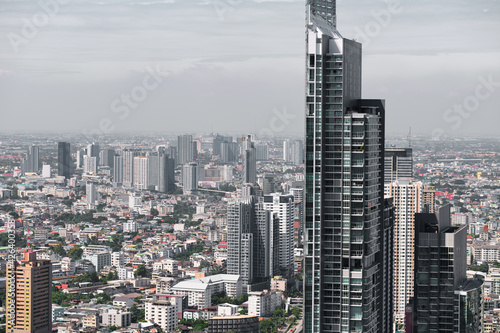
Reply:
x=441, y=286
x=286, y=151
x=128, y=167
x=30, y=280
x=348, y=231
x=64, y=167
x=190, y=178
x=249, y=161
x=32, y=161
x=284, y=208
x=185, y=149
x=161, y=173
x=141, y=172
x=252, y=241
x=398, y=163
x=297, y=152
x=407, y=197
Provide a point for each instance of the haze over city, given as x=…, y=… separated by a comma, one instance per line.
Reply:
x=233, y=65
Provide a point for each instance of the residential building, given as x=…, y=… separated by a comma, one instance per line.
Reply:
x=29, y=294
x=190, y=178
x=398, y=163
x=163, y=312
x=116, y=317
x=263, y=303
x=238, y=323
x=348, y=231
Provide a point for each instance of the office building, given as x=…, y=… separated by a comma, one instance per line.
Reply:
x=185, y=149
x=348, y=231
x=30, y=280
x=229, y=152
x=64, y=163
x=398, y=163
x=262, y=152
x=79, y=158
x=407, y=199
x=440, y=270
x=190, y=178
x=470, y=300
x=284, y=208
x=107, y=158
x=249, y=161
x=161, y=173
x=32, y=161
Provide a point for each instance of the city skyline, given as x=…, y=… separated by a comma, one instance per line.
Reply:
x=83, y=59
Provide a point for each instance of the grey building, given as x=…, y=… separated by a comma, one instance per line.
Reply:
x=249, y=161
x=252, y=240
x=398, y=164
x=229, y=151
x=347, y=238
x=190, y=178
x=440, y=270
x=128, y=167
x=32, y=161
x=185, y=149
x=64, y=162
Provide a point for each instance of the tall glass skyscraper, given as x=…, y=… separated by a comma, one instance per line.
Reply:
x=348, y=224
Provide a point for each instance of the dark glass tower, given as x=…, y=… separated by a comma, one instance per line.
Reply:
x=64, y=159
x=348, y=224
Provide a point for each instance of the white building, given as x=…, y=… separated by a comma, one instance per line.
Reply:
x=117, y=259
x=46, y=171
x=130, y=226
x=125, y=273
x=189, y=177
x=284, y=207
x=92, y=195
x=200, y=291
x=171, y=267
x=227, y=309
x=68, y=265
x=116, y=317
x=263, y=303
x=407, y=200
x=163, y=311
x=99, y=260
x=141, y=172
x=93, y=249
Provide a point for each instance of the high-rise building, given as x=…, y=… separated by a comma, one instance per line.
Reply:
x=287, y=151
x=161, y=173
x=79, y=159
x=348, y=231
x=297, y=152
x=90, y=164
x=128, y=167
x=284, y=208
x=93, y=150
x=91, y=193
x=118, y=171
x=141, y=172
x=32, y=161
x=190, y=178
x=407, y=198
x=249, y=161
x=107, y=158
x=29, y=293
x=252, y=240
x=440, y=275
x=262, y=152
x=429, y=199
x=298, y=197
x=185, y=149
x=229, y=151
x=64, y=163
x=398, y=163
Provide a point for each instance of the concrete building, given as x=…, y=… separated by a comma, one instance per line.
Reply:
x=263, y=303
x=398, y=164
x=163, y=312
x=239, y=323
x=30, y=282
x=116, y=317
x=249, y=161
x=99, y=260
x=190, y=178
x=347, y=238
x=407, y=199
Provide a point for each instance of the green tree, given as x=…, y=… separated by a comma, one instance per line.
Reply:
x=141, y=271
x=76, y=252
x=138, y=315
x=59, y=249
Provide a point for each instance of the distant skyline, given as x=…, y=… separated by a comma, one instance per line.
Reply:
x=237, y=65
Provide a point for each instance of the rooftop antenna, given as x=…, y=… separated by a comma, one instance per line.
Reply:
x=409, y=138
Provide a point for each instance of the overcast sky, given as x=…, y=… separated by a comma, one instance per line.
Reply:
x=238, y=65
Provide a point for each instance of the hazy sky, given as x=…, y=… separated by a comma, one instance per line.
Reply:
x=238, y=65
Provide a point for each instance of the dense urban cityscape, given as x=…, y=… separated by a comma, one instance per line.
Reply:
x=344, y=228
